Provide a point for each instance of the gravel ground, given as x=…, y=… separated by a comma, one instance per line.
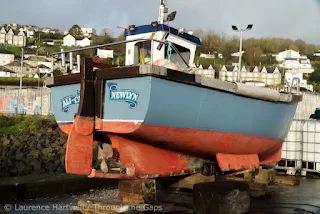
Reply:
x=282, y=199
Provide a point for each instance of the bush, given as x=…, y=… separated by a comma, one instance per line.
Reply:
x=15, y=81
x=22, y=124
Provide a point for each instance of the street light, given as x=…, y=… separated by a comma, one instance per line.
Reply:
x=249, y=27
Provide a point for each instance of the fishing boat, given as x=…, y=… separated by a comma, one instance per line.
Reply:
x=158, y=116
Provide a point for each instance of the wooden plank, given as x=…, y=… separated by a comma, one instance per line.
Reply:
x=190, y=181
x=265, y=176
x=65, y=80
x=287, y=180
x=118, y=73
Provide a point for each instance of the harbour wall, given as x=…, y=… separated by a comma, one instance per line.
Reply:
x=309, y=103
x=31, y=145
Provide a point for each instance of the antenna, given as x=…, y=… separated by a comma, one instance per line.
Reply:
x=162, y=11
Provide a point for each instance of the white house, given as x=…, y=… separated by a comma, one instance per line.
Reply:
x=84, y=42
x=69, y=40
x=207, y=56
x=6, y=58
x=44, y=69
x=301, y=65
x=317, y=53
x=280, y=57
x=88, y=32
x=105, y=53
x=289, y=76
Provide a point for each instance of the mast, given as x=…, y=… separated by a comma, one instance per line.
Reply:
x=162, y=11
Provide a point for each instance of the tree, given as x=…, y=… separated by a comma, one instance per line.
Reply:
x=315, y=76
x=293, y=47
x=301, y=46
x=57, y=72
x=106, y=32
x=76, y=32
x=99, y=40
x=120, y=48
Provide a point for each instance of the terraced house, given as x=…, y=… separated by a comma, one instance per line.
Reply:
x=27, y=70
x=269, y=76
x=10, y=37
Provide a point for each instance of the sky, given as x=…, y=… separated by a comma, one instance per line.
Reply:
x=294, y=19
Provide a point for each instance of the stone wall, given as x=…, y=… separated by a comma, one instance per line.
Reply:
x=310, y=102
x=41, y=151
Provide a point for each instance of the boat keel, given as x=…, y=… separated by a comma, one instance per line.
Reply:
x=79, y=151
x=230, y=162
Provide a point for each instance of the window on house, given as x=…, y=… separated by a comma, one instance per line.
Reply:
x=142, y=50
x=176, y=59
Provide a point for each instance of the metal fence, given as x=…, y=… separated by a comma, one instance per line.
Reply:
x=32, y=101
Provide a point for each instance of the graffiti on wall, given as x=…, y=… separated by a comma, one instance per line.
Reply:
x=33, y=102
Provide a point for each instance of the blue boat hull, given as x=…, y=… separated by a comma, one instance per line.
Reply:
x=158, y=102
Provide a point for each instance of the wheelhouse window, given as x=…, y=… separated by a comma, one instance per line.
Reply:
x=176, y=59
x=142, y=51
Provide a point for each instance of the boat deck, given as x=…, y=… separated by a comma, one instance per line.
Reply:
x=178, y=76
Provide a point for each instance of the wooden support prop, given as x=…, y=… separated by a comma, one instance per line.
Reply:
x=265, y=176
x=222, y=197
x=257, y=190
x=138, y=191
x=287, y=180
x=190, y=181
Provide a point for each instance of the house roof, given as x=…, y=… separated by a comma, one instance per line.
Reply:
x=270, y=70
x=295, y=59
x=2, y=68
x=251, y=68
x=230, y=67
x=78, y=38
x=18, y=64
x=39, y=58
x=43, y=66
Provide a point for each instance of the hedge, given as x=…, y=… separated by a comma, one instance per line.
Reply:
x=15, y=81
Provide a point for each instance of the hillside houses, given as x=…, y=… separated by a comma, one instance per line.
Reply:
x=269, y=76
x=13, y=37
x=33, y=66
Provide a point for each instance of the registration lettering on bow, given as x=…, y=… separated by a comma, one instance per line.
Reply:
x=125, y=95
x=69, y=101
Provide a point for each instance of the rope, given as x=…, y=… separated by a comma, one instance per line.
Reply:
x=169, y=51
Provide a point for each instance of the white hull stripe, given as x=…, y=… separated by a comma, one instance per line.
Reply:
x=123, y=121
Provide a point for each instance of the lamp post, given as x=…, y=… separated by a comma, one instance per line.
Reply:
x=249, y=27
x=20, y=87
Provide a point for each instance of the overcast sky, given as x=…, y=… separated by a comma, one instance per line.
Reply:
x=271, y=18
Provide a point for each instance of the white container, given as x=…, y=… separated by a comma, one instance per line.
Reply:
x=292, y=147
x=311, y=145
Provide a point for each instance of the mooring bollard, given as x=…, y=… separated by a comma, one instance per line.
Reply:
x=221, y=197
